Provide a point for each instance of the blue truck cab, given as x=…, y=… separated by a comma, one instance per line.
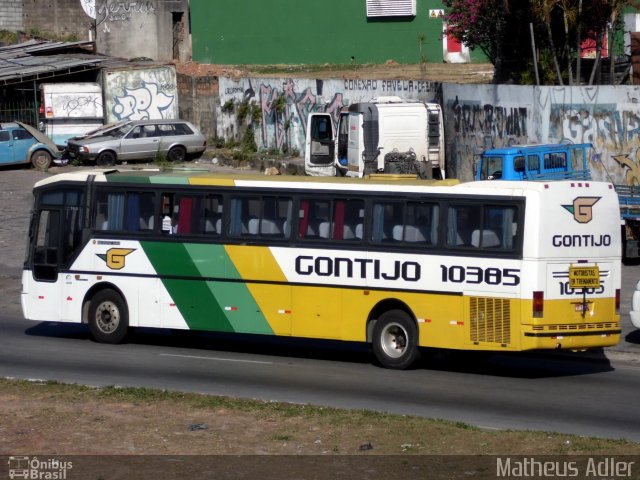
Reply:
x=535, y=162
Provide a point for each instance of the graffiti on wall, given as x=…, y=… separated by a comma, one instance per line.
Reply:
x=89, y=7
x=140, y=94
x=89, y=105
x=473, y=126
x=605, y=116
x=486, y=120
x=286, y=103
x=611, y=124
x=142, y=103
x=121, y=11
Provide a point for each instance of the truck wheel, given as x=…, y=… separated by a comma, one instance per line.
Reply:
x=177, y=154
x=41, y=159
x=108, y=317
x=395, y=340
x=106, y=159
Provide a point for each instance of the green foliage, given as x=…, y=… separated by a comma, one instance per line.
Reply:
x=8, y=37
x=242, y=111
x=228, y=107
x=161, y=161
x=255, y=113
x=248, y=142
x=279, y=104
x=216, y=142
x=500, y=28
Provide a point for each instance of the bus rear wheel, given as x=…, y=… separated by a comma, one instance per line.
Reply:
x=395, y=340
x=108, y=317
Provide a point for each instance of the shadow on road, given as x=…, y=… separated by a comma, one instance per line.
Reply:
x=633, y=337
x=505, y=364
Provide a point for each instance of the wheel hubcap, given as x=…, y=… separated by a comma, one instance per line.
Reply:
x=394, y=340
x=107, y=317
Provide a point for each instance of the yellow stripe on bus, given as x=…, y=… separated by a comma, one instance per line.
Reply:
x=274, y=299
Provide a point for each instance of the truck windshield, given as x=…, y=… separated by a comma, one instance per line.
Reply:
x=491, y=168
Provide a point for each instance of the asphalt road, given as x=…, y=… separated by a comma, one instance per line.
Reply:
x=588, y=394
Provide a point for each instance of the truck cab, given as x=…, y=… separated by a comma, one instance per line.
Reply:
x=386, y=134
x=535, y=162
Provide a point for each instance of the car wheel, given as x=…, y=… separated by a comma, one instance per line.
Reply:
x=41, y=159
x=108, y=317
x=177, y=154
x=106, y=159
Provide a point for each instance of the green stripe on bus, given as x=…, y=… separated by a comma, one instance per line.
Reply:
x=206, y=305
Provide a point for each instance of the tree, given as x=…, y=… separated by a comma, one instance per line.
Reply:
x=560, y=26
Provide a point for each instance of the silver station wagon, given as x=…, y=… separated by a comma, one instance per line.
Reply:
x=139, y=140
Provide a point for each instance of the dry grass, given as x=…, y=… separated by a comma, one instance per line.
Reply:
x=56, y=419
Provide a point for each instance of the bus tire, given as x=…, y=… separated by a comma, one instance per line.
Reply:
x=177, y=154
x=395, y=340
x=106, y=159
x=41, y=159
x=108, y=317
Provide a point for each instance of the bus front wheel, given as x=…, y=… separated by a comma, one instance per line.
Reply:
x=395, y=340
x=108, y=317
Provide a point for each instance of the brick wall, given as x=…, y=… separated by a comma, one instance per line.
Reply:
x=11, y=15
x=61, y=17
x=198, y=101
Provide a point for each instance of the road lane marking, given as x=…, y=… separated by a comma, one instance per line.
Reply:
x=214, y=358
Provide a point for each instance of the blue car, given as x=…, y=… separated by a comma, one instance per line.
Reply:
x=21, y=143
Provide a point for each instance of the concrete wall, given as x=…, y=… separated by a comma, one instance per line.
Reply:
x=484, y=116
x=11, y=15
x=302, y=32
x=286, y=131
x=143, y=28
x=60, y=17
x=139, y=93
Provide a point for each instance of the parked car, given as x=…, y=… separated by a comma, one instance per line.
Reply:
x=635, y=307
x=21, y=143
x=139, y=140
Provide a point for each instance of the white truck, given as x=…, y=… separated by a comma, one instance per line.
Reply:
x=387, y=135
x=69, y=110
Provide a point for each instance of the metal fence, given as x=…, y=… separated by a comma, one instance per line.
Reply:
x=25, y=112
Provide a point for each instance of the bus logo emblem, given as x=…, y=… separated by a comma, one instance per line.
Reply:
x=114, y=258
x=581, y=209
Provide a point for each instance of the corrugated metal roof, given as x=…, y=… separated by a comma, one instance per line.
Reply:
x=25, y=61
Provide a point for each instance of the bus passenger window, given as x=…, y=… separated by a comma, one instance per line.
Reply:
x=213, y=215
x=388, y=222
x=312, y=218
x=462, y=220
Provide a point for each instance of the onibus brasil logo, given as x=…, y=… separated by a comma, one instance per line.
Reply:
x=115, y=257
x=38, y=468
x=582, y=208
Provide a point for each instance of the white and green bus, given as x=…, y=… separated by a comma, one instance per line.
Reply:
x=400, y=264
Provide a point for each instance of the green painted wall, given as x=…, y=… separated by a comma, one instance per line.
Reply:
x=306, y=32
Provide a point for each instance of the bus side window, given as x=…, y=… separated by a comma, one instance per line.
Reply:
x=245, y=211
x=346, y=221
x=388, y=221
x=213, y=209
x=313, y=219
x=462, y=221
